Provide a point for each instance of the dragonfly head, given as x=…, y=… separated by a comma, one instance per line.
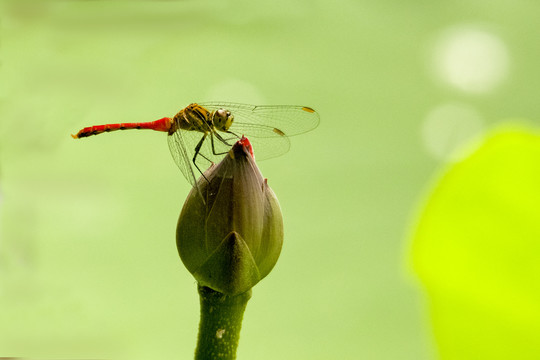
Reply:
x=223, y=119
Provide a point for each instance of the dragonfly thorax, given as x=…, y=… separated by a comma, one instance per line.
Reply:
x=197, y=118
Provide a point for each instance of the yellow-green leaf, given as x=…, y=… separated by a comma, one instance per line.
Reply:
x=476, y=249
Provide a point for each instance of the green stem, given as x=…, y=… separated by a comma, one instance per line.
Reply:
x=221, y=321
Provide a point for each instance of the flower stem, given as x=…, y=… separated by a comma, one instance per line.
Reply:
x=221, y=321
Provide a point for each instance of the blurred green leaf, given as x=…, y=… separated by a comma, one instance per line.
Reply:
x=477, y=251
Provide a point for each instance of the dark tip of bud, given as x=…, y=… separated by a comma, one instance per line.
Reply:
x=242, y=146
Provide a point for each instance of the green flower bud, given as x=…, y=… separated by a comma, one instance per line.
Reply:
x=232, y=239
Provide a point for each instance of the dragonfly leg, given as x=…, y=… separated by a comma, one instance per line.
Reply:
x=197, y=153
x=220, y=139
x=224, y=140
x=230, y=132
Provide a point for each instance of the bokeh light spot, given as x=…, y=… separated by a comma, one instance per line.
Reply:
x=470, y=59
x=235, y=90
x=448, y=128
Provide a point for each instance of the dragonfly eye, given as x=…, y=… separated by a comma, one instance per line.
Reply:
x=222, y=113
x=222, y=119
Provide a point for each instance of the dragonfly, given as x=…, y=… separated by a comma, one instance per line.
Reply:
x=202, y=133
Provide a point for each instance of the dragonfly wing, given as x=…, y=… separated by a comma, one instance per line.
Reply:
x=183, y=145
x=269, y=147
x=283, y=120
x=212, y=149
x=181, y=156
x=266, y=142
x=268, y=127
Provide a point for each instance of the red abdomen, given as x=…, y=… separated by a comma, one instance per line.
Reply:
x=163, y=124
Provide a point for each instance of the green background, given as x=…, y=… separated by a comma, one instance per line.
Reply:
x=88, y=262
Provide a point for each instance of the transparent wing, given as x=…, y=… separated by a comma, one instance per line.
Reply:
x=263, y=120
x=268, y=126
x=183, y=144
x=208, y=153
x=182, y=156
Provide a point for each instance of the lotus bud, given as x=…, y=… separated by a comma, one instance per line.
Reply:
x=230, y=230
